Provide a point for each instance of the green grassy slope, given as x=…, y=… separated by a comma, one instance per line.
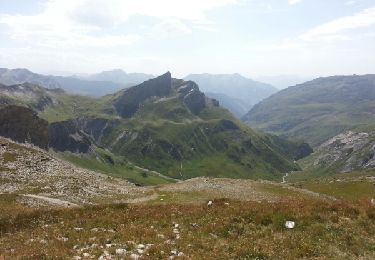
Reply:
x=318, y=109
x=172, y=134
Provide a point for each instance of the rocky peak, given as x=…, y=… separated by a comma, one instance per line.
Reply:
x=127, y=103
x=192, y=97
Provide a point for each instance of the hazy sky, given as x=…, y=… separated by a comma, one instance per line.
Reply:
x=251, y=37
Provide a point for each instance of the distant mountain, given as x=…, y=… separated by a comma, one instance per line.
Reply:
x=87, y=87
x=121, y=77
x=235, y=86
x=71, y=84
x=237, y=106
x=317, y=110
x=19, y=76
x=163, y=124
x=284, y=81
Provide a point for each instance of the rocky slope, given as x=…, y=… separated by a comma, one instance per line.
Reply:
x=27, y=170
x=345, y=152
x=317, y=110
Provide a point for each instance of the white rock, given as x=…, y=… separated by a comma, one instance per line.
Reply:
x=141, y=246
x=176, y=225
x=290, y=224
x=134, y=256
x=209, y=203
x=140, y=251
x=373, y=202
x=76, y=257
x=120, y=251
x=86, y=255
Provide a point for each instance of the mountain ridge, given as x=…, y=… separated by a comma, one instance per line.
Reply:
x=173, y=129
x=317, y=110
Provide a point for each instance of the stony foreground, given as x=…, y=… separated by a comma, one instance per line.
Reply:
x=36, y=174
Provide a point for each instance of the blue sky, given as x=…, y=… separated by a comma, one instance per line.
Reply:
x=252, y=37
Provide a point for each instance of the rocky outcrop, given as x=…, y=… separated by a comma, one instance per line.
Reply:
x=128, y=102
x=29, y=95
x=66, y=136
x=345, y=152
x=22, y=124
x=192, y=97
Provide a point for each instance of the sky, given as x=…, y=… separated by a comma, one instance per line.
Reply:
x=256, y=38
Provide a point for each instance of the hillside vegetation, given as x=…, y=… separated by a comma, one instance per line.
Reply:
x=317, y=110
x=164, y=124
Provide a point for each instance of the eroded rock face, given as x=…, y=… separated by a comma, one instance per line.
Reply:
x=192, y=97
x=350, y=150
x=66, y=136
x=22, y=124
x=129, y=101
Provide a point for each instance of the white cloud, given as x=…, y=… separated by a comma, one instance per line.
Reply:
x=293, y=2
x=336, y=29
x=77, y=23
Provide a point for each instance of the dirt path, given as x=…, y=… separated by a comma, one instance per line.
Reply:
x=53, y=201
x=156, y=173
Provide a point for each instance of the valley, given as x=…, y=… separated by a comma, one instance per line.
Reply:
x=172, y=130
x=159, y=170
x=54, y=209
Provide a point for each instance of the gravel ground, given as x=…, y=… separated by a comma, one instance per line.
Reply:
x=25, y=169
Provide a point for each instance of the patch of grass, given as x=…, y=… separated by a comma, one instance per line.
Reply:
x=10, y=207
x=350, y=190
x=9, y=157
x=227, y=230
x=116, y=169
x=350, y=186
x=182, y=197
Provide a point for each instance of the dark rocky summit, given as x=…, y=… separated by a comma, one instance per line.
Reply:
x=22, y=124
x=192, y=97
x=127, y=103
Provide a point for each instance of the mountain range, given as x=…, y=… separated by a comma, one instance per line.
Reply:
x=163, y=124
x=95, y=85
x=235, y=92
